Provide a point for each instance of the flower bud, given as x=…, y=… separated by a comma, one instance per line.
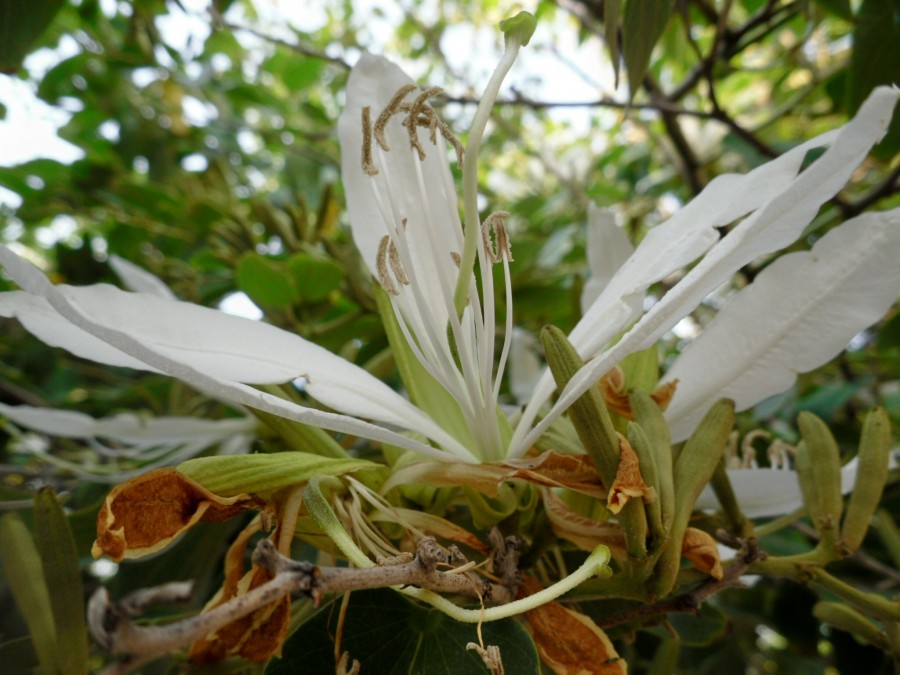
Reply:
x=874, y=453
x=819, y=466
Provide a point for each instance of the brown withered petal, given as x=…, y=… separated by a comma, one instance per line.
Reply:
x=146, y=513
x=570, y=643
x=255, y=637
x=576, y=472
x=586, y=533
x=628, y=484
x=554, y=469
x=612, y=388
x=701, y=550
x=663, y=394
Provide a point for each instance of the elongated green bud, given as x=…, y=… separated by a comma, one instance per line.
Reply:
x=650, y=473
x=588, y=414
x=694, y=467
x=874, y=453
x=700, y=455
x=823, y=468
x=652, y=423
x=845, y=618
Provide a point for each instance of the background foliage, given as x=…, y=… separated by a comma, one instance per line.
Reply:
x=207, y=153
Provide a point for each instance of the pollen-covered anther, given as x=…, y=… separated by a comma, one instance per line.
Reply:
x=394, y=106
x=456, y=258
x=498, y=248
x=387, y=260
x=367, y=165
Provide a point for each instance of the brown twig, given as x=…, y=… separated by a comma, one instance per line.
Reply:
x=692, y=600
x=433, y=568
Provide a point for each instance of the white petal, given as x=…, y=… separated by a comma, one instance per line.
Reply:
x=607, y=248
x=215, y=352
x=763, y=493
x=125, y=428
x=799, y=313
x=774, y=225
x=138, y=279
x=430, y=207
x=45, y=323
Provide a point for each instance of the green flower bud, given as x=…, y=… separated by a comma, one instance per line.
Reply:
x=823, y=464
x=874, y=453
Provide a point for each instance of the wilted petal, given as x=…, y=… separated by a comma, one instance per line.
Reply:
x=570, y=643
x=703, y=552
x=145, y=514
x=800, y=312
x=629, y=483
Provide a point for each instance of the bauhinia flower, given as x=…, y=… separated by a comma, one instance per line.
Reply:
x=438, y=299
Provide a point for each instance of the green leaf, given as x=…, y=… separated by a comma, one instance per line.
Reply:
x=876, y=60
x=265, y=282
x=21, y=24
x=700, y=630
x=390, y=635
x=263, y=474
x=62, y=573
x=611, y=11
x=25, y=579
x=314, y=277
x=643, y=24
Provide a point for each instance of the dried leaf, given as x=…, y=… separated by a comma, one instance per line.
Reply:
x=703, y=553
x=629, y=484
x=585, y=533
x=615, y=393
x=570, y=643
x=145, y=514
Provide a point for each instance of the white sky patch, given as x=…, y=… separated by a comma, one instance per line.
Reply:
x=239, y=304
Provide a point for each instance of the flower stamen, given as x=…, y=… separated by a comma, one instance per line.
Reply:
x=394, y=106
x=499, y=248
x=389, y=257
x=368, y=166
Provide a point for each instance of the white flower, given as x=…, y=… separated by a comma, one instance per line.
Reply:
x=405, y=219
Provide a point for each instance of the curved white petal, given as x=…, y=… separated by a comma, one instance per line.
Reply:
x=219, y=353
x=763, y=493
x=45, y=323
x=419, y=192
x=608, y=248
x=800, y=312
x=138, y=279
x=128, y=428
x=777, y=223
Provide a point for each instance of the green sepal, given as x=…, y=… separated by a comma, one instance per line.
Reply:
x=62, y=573
x=24, y=574
x=588, y=414
x=641, y=369
x=265, y=474
x=871, y=475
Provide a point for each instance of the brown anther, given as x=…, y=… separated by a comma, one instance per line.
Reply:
x=367, y=165
x=499, y=248
x=394, y=106
x=381, y=266
x=456, y=258
x=396, y=266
